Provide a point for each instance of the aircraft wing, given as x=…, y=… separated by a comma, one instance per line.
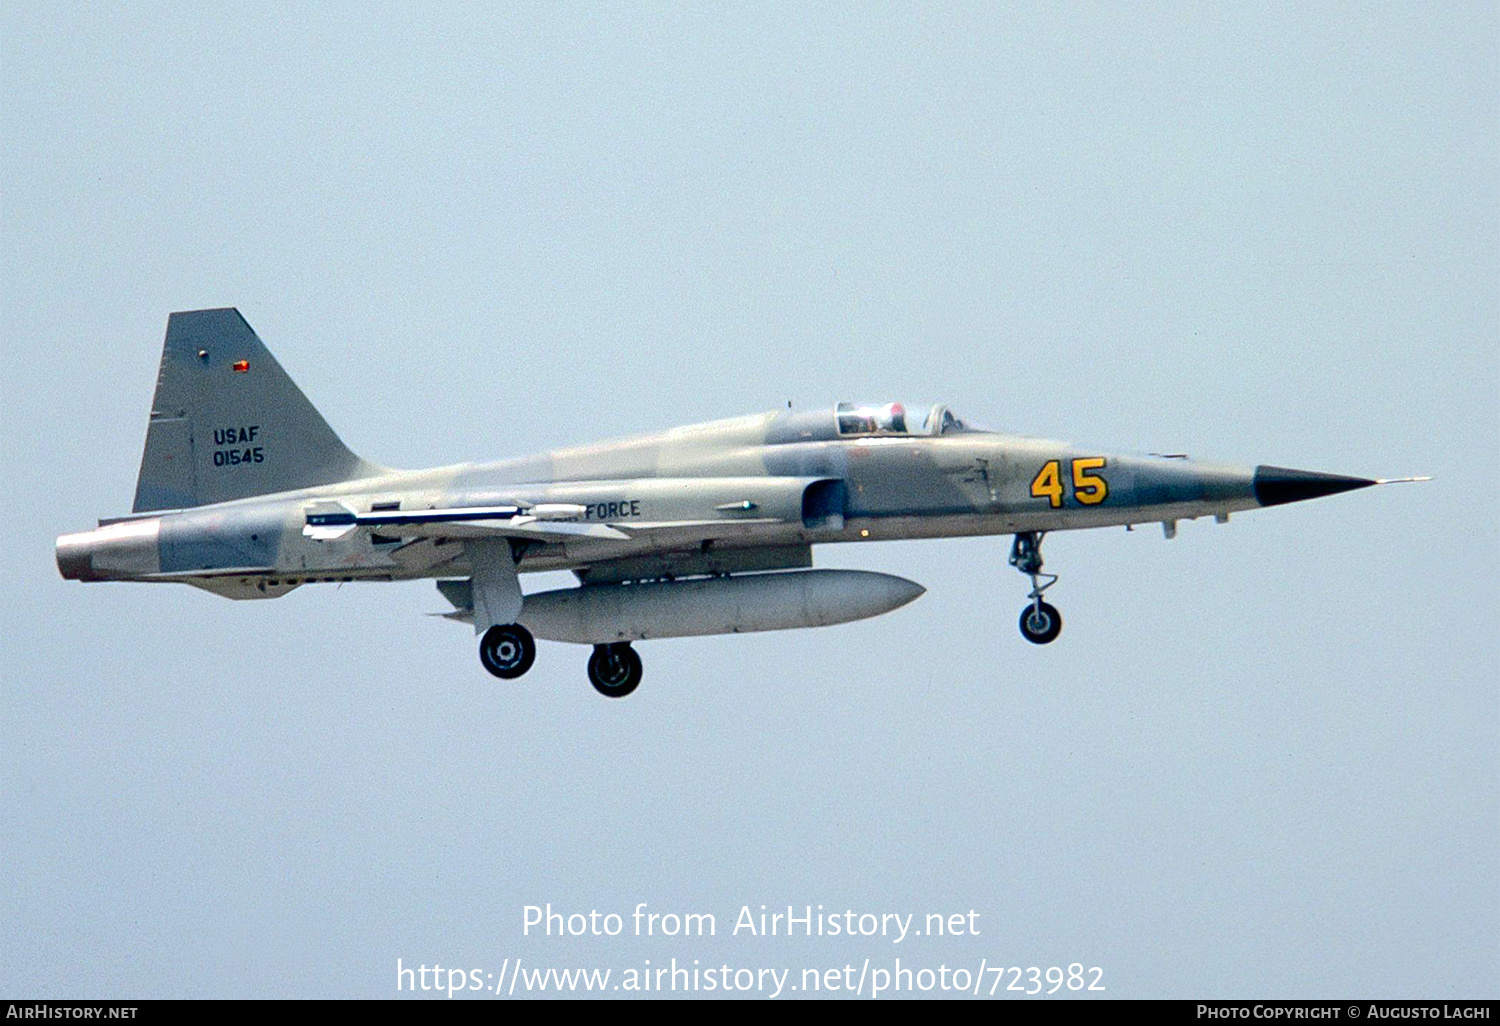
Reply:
x=633, y=527
x=694, y=509
x=544, y=522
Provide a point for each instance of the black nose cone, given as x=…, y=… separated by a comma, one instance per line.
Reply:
x=1277, y=485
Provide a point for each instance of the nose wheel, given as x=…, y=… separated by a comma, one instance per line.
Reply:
x=507, y=650
x=615, y=670
x=1041, y=623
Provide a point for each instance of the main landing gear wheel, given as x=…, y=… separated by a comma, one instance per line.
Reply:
x=507, y=650
x=615, y=670
x=1041, y=623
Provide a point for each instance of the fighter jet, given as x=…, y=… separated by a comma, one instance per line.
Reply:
x=246, y=492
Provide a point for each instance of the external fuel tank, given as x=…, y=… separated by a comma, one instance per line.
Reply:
x=598, y=614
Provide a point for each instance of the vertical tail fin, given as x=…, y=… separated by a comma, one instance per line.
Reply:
x=228, y=423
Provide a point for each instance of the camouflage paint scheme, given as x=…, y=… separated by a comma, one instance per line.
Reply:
x=959, y=484
x=751, y=493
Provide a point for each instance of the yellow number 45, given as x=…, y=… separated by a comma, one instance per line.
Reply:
x=1089, y=489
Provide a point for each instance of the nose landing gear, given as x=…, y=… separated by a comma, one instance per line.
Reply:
x=1041, y=623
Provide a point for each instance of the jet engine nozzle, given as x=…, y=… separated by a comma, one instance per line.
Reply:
x=113, y=552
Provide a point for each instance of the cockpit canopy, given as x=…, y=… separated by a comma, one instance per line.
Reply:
x=896, y=419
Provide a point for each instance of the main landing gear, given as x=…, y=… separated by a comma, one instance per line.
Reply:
x=1041, y=623
x=508, y=650
x=615, y=670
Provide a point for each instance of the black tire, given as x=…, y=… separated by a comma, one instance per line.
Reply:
x=507, y=650
x=615, y=670
x=1041, y=627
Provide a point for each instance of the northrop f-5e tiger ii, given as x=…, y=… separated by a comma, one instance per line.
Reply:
x=246, y=492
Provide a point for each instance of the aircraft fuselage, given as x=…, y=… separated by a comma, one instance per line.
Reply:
x=245, y=491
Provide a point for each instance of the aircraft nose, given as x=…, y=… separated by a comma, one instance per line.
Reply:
x=1277, y=485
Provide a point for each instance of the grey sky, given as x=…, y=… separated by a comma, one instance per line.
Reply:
x=1262, y=759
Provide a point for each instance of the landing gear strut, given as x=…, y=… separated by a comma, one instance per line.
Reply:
x=507, y=650
x=615, y=670
x=1041, y=623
